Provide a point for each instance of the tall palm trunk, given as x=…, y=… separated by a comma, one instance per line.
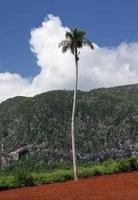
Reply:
x=73, y=119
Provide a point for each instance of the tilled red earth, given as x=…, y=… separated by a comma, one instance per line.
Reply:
x=112, y=187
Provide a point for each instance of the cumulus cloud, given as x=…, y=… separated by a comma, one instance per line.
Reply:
x=12, y=85
x=101, y=67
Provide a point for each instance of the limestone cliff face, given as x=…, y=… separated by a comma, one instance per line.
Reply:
x=106, y=124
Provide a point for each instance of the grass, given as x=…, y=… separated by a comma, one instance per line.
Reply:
x=20, y=179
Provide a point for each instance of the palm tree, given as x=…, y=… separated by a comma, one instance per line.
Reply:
x=75, y=39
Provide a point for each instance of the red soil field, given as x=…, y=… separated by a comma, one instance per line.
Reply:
x=122, y=186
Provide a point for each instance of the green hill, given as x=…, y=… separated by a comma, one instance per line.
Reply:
x=39, y=127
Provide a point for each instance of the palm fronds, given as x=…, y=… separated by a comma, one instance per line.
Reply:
x=75, y=39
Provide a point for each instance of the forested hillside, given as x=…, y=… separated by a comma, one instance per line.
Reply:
x=106, y=124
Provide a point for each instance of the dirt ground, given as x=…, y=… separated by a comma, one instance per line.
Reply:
x=122, y=186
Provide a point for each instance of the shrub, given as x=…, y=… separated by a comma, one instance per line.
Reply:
x=24, y=179
x=124, y=165
x=99, y=170
x=111, y=166
x=133, y=163
x=57, y=176
x=85, y=172
x=7, y=182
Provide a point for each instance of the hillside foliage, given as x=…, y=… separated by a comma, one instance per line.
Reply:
x=106, y=124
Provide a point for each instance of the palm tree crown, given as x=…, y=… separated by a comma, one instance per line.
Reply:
x=75, y=39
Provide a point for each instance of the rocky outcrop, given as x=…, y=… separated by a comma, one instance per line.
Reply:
x=17, y=154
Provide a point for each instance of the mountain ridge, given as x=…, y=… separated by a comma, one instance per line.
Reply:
x=106, y=124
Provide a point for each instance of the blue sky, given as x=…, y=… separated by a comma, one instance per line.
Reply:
x=107, y=23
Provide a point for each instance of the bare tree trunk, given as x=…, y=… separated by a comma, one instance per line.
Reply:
x=73, y=120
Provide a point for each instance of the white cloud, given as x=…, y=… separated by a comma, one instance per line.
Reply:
x=102, y=67
x=12, y=85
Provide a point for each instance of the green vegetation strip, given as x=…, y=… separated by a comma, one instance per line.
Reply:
x=21, y=179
